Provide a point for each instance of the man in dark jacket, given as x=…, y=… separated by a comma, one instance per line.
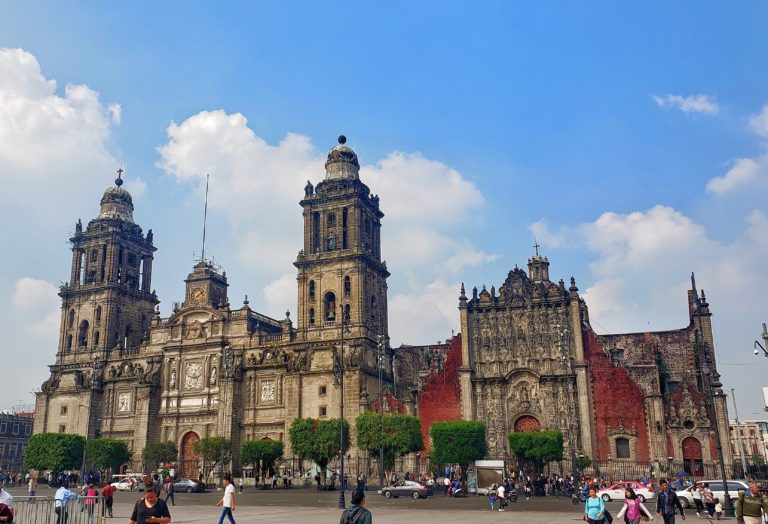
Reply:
x=666, y=502
x=356, y=513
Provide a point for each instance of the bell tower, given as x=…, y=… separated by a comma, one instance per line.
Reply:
x=340, y=267
x=108, y=302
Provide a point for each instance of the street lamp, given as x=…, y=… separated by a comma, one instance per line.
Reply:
x=339, y=371
x=764, y=345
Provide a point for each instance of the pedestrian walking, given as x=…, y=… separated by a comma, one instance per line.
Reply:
x=170, y=491
x=227, y=502
x=61, y=503
x=633, y=508
x=698, y=493
x=31, y=488
x=150, y=509
x=709, y=500
x=108, y=492
x=492, y=499
x=91, y=497
x=240, y=484
x=501, y=492
x=666, y=503
x=749, y=506
x=356, y=513
x=594, y=508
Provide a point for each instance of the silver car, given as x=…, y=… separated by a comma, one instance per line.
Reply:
x=406, y=488
x=734, y=486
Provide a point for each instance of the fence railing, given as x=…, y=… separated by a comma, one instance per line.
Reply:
x=42, y=510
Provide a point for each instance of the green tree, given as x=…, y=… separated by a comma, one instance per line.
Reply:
x=107, y=453
x=159, y=453
x=401, y=435
x=212, y=450
x=538, y=447
x=318, y=440
x=54, y=451
x=757, y=459
x=457, y=442
x=583, y=462
x=261, y=454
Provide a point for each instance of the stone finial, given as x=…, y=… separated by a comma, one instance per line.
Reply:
x=573, y=287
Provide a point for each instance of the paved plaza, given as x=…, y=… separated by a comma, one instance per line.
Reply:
x=311, y=506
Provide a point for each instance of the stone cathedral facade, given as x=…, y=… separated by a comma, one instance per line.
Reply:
x=213, y=368
x=526, y=359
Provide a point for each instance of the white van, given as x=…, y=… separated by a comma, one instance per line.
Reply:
x=128, y=482
x=734, y=486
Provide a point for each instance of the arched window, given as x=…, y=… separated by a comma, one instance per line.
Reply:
x=622, y=448
x=96, y=337
x=312, y=290
x=69, y=343
x=98, y=314
x=329, y=303
x=346, y=314
x=311, y=316
x=347, y=287
x=82, y=334
x=71, y=320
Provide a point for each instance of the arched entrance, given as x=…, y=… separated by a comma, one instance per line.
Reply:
x=527, y=424
x=693, y=459
x=190, y=461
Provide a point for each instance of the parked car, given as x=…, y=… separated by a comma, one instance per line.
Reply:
x=734, y=486
x=189, y=486
x=616, y=492
x=131, y=482
x=406, y=488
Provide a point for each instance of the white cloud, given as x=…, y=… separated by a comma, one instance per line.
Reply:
x=281, y=294
x=688, y=104
x=744, y=171
x=47, y=138
x=431, y=311
x=759, y=123
x=257, y=186
x=541, y=232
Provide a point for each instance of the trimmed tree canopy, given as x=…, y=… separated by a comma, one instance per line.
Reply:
x=401, y=435
x=106, y=453
x=54, y=451
x=159, y=453
x=457, y=442
x=538, y=446
x=317, y=440
x=211, y=450
x=261, y=454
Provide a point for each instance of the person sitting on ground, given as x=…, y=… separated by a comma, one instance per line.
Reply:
x=356, y=513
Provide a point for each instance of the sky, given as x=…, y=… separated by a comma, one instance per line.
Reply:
x=630, y=141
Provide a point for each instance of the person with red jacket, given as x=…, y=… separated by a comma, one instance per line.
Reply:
x=108, y=492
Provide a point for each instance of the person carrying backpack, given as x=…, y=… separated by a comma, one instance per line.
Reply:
x=356, y=513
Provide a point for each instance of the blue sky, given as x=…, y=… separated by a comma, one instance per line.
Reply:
x=630, y=139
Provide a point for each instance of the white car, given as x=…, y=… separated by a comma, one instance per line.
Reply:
x=734, y=486
x=616, y=491
x=127, y=483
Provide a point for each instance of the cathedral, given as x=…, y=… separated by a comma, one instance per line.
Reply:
x=526, y=359
x=211, y=368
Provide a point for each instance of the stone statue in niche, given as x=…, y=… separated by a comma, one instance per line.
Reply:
x=172, y=381
x=212, y=379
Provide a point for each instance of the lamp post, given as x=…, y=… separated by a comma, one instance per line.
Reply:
x=764, y=345
x=339, y=371
x=563, y=337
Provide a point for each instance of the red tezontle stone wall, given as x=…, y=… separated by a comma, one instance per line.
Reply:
x=616, y=398
x=440, y=399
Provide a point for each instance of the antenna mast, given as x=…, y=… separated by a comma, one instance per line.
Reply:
x=205, y=215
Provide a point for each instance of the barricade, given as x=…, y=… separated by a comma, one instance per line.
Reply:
x=42, y=510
